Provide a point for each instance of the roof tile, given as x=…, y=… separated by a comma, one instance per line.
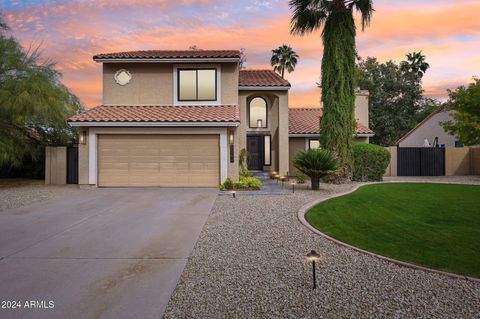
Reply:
x=156, y=113
x=170, y=54
x=307, y=121
x=261, y=78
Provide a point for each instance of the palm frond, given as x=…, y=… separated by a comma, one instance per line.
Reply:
x=308, y=15
x=365, y=7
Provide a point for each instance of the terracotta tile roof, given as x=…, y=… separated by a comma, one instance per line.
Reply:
x=261, y=78
x=117, y=113
x=307, y=121
x=170, y=54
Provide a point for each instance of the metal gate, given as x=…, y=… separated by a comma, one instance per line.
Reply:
x=72, y=165
x=420, y=161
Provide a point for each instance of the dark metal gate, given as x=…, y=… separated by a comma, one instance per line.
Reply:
x=72, y=165
x=420, y=161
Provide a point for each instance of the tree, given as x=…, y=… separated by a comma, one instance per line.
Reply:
x=284, y=58
x=34, y=106
x=243, y=58
x=338, y=66
x=316, y=163
x=396, y=99
x=415, y=64
x=465, y=104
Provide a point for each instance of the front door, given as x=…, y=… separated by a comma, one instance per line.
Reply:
x=254, y=147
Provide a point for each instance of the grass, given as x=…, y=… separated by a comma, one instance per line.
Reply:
x=433, y=225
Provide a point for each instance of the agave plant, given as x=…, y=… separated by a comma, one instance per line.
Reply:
x=316, y=163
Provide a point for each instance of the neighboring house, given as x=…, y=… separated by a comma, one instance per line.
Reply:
x=430, y=130
x=180, y=118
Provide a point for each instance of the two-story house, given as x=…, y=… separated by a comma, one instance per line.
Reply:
x=180, y=118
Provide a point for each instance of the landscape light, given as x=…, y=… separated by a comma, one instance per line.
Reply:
x=313, y=256
x=234, y=193
x=293, y=187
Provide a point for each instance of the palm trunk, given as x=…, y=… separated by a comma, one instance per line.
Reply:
x=315, y=182
x=283, y=72
x=338, y=86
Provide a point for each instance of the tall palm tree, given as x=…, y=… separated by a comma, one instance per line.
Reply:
x=416, y=64
x=338, y=65
x=284, y=58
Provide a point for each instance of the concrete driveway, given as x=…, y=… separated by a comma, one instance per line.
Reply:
x=102, y=253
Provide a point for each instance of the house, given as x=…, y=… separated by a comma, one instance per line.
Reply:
x=180, y=118
x=429, y=132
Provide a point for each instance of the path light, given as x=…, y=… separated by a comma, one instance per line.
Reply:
x=293, y=187
x=234, y=193
x=313, y=256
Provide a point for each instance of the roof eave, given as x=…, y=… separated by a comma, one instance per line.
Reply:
x=263, y=88
x=152, y=124
x=160, y=60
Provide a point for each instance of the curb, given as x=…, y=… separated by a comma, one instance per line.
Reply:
x=304, y=209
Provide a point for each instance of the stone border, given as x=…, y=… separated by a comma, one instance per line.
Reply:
x=304, y=209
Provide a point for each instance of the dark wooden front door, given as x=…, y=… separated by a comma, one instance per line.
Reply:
x=254, y=147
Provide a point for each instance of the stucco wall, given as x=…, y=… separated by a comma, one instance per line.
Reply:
x=296, y=144
x=277, y=127
x=361, y=107
x=392, y=166
x=429, y=130
x=55, y=165
x=83, y=159
x=152, y=83
x=475, y=160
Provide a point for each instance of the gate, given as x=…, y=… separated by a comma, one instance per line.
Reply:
x=72, y=165
x=420, y=161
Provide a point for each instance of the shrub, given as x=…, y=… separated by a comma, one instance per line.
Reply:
x=301, y=178
x=316, y=163
x=228, y=184
x=369, y=162
x=242, y=163
x=248, y=183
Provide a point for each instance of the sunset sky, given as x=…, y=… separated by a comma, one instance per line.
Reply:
x=72, y=31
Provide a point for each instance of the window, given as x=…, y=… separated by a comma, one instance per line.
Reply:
x=313, y=143
x=197, y=85
x=267, y=142
x=258, y=113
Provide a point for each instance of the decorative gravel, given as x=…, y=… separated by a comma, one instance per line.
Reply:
x=21, y=195
x=249, y=263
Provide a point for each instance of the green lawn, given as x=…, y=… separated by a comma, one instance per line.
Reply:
x=433, y=225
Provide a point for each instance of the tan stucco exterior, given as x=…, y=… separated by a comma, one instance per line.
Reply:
x=430, y=129
x=277, y=127
x=361, y=107
x=153, y=83
x=56, y=165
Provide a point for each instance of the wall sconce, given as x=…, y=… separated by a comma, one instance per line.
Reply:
x=82, y=139
x=230, y=138
x=259, y=123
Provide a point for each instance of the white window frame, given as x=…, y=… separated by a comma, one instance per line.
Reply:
x=198, y=67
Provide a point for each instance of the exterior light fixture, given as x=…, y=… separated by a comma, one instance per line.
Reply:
x=234, y=193
x=232, y=149
x=313, y=256
x=82, y=138
x=230, y=138
x=293, y=187
x=259, y=123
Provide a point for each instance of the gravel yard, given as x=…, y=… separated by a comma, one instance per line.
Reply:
x=25, y=193
x=249, y=262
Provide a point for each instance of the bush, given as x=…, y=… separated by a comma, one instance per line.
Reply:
x=369, y=162
x=228, y=184
x=248, y=183
x=301, y=178
x=316, y=163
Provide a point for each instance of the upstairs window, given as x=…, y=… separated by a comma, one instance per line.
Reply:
x=197, y=85
x=258, y=113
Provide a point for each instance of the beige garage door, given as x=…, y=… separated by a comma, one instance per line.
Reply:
x=158, y=160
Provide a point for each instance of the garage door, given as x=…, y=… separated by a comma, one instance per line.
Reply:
x=159, y=160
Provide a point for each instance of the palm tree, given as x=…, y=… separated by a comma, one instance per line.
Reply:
x=338, y=65
x=416, y=64
x=284, y=58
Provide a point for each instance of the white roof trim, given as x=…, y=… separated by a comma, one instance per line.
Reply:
x=318, y=134
x=159, y=60
x=263, y=88
x=155, y=124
